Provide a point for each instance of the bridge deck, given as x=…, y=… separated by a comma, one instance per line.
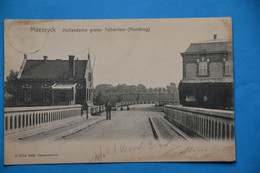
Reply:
x=143, y=121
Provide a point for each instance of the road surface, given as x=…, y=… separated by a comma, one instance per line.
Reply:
x=131, y=124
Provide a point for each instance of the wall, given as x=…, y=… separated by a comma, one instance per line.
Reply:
x=215, y=66
x=36, y=92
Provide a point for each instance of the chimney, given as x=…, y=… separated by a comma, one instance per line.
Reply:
x=215, y=36
x=71, y=66
x=45, y=58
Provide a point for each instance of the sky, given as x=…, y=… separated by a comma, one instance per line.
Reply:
x=119, y=57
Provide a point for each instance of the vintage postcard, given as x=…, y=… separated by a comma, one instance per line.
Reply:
x=128, y=90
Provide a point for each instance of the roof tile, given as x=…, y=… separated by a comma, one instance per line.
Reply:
x=52, y=69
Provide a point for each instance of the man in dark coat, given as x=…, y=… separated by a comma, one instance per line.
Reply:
x=108, y=110
x=84, y=107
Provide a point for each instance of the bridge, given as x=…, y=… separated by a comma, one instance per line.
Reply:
x=144, y=119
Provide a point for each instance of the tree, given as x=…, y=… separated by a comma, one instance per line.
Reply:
x=172, y=90
x=160, y=89
x=103, y=88
x=164, y=90
x=98, y=98
x=141, y=88
x=11, y=85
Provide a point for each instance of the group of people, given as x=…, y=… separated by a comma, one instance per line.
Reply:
x=108, y=106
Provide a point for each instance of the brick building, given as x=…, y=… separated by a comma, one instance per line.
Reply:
x=55, y=82
x=208, y=75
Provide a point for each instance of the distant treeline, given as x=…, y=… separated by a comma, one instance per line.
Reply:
x=123, y=92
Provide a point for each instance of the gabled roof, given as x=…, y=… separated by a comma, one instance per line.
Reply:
x=210, y=46
x=52, y=69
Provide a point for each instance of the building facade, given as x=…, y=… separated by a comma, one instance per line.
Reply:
x=208, y=75
x=55, y=82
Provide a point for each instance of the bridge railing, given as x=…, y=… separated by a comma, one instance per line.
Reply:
x=157, y=103
x=209, y=124
x=23, y=117
x=126, y=103
x=164, y=102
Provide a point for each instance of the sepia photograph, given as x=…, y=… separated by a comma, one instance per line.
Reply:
x=121, y=90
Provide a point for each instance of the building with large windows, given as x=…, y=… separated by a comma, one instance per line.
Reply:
x=55, y=82
x=208, y=75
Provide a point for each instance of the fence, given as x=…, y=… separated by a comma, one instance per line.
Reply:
x=157, y=103
x=18, y=118
x=126, y=103
x=209, y=124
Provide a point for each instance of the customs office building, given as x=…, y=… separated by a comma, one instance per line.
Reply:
x=55, y=82
x=208, y=75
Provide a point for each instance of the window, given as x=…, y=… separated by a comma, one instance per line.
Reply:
x=88, y=94
x=27, y=94
x=62, y=97
x=79, y=86
x=227, y=69
x=203, y=68
x=89, y=77
x=45, y=95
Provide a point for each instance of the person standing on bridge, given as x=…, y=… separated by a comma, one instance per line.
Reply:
x=108, y=110
x=84, y=107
